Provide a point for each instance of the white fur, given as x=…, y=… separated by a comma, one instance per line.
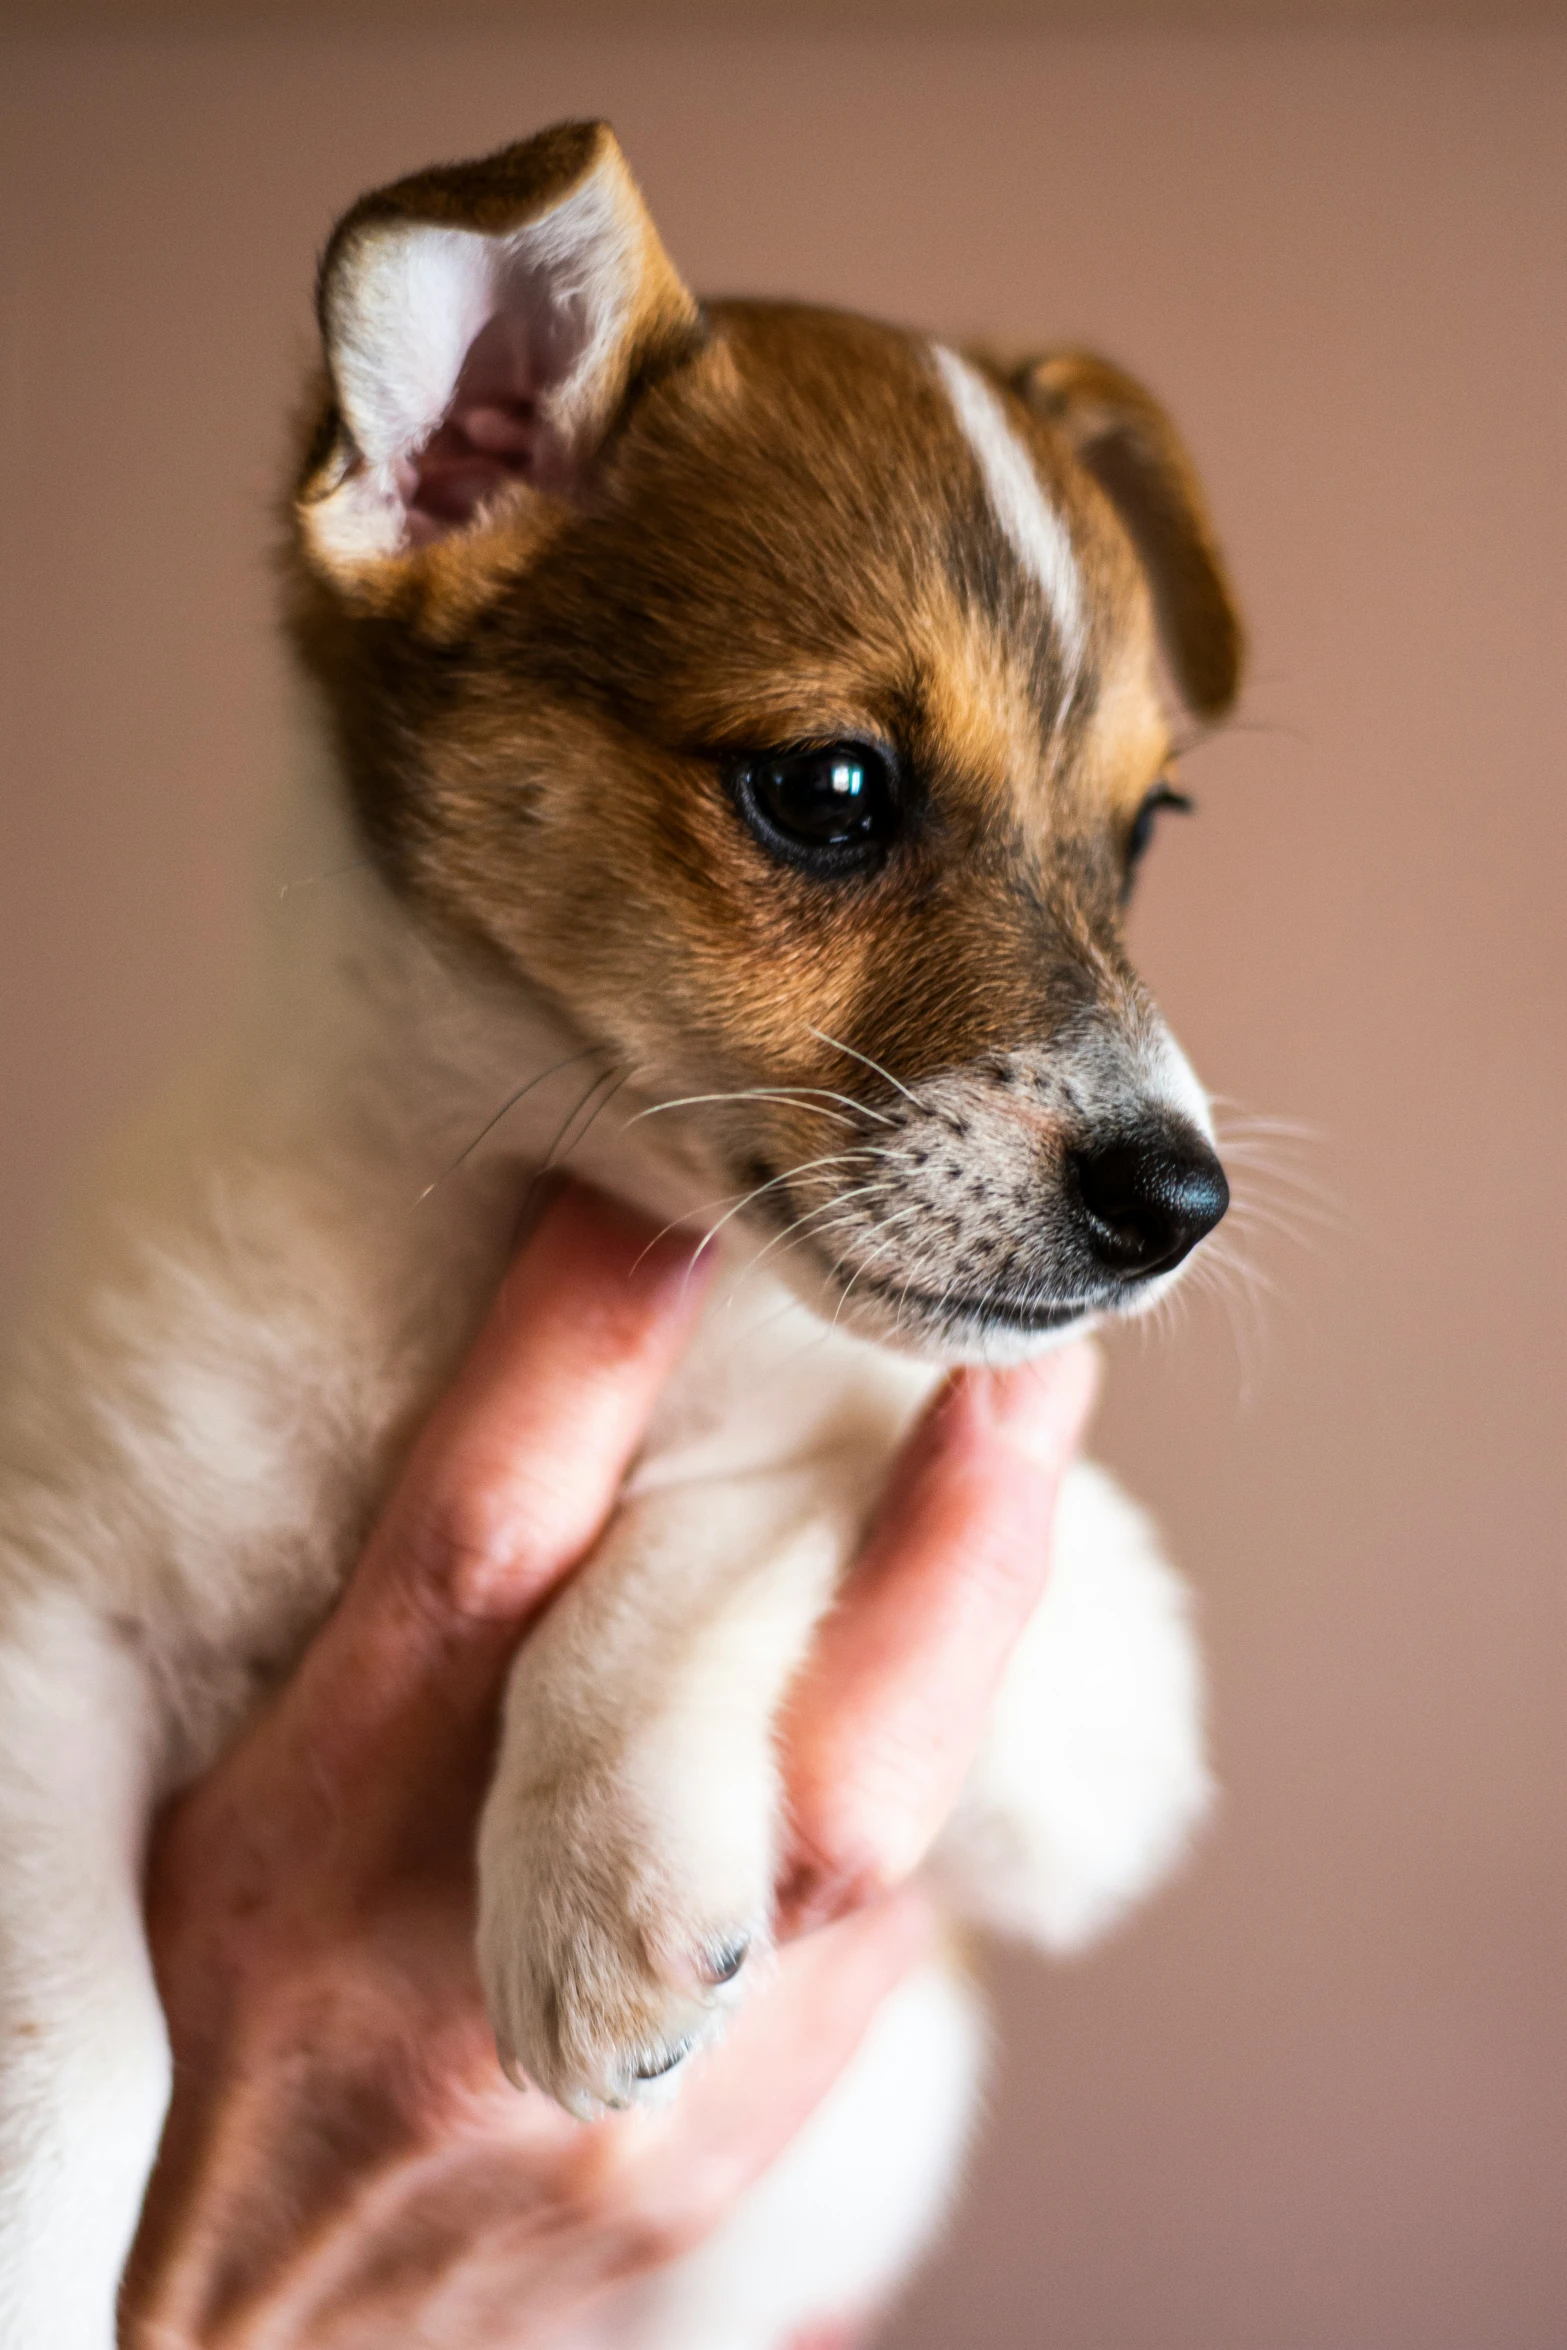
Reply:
x=408, y=307
x=264, y=1288
x=1034, y=530
x=83, y=2052
x=1172, y=1079
x=1091, y=1782
x=419, y=298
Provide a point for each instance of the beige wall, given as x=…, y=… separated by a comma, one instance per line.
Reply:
x=1315, y=2099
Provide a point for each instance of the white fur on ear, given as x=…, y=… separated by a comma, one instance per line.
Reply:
x=401, y=323
x=466, y=358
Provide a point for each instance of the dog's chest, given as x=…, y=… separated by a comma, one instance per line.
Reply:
x=209, y=1425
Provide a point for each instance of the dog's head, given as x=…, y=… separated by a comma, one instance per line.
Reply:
x=780, y=695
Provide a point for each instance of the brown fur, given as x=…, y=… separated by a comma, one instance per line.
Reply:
x=783, y=536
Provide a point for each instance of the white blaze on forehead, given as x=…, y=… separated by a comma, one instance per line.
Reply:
x=1034, y=530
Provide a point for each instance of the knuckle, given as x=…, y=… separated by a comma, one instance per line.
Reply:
x=617, y=2199
x=461, y=1550
x=835, y=1872
x=656, y=2239
x=489, y=1534
x=862, y=1826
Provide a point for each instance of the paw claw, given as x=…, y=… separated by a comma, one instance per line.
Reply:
x=724, y=1959
x=655, y=2067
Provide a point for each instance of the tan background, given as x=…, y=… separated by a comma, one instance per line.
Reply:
x=1315, y=2099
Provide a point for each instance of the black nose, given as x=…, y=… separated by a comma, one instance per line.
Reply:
x=1148, y=1197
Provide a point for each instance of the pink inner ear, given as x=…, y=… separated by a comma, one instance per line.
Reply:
x=489, y=436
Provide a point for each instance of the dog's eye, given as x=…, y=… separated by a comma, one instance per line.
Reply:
x=827, y=806
x=1163, y=795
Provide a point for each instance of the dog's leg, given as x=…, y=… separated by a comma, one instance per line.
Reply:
x=628, y=1847
x=1092, y=1778
x=83, y=2051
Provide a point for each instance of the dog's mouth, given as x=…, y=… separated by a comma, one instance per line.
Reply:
x=993, y=1311
x=954, y=1314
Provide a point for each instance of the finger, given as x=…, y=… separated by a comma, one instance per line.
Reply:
x=885, y=1720
x=508, y=1485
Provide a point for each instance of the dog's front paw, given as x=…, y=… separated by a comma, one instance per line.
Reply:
x=610, y=1946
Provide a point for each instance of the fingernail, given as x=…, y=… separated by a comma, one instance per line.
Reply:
x=1042, y=1408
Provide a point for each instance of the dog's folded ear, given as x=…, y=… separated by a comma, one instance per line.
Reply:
x=1123, y=437
x=483, y=324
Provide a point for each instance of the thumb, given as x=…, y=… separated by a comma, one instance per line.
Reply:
x=885, y=1719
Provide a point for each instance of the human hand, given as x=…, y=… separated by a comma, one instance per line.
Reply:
x=343, y=2162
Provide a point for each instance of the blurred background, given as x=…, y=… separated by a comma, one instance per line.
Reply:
x=1316, y=2097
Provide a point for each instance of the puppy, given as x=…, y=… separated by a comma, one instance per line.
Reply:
x=746, y=714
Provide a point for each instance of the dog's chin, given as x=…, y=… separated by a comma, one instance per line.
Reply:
x=940, y=1327
x=950, y=1326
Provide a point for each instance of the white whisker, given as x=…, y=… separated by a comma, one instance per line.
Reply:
x=809, y=1217
x=488, y=1128
x=612, y=1078
x=834, y=1159
x=769, y=1093
x=889, y=1228
x=896, y=1083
